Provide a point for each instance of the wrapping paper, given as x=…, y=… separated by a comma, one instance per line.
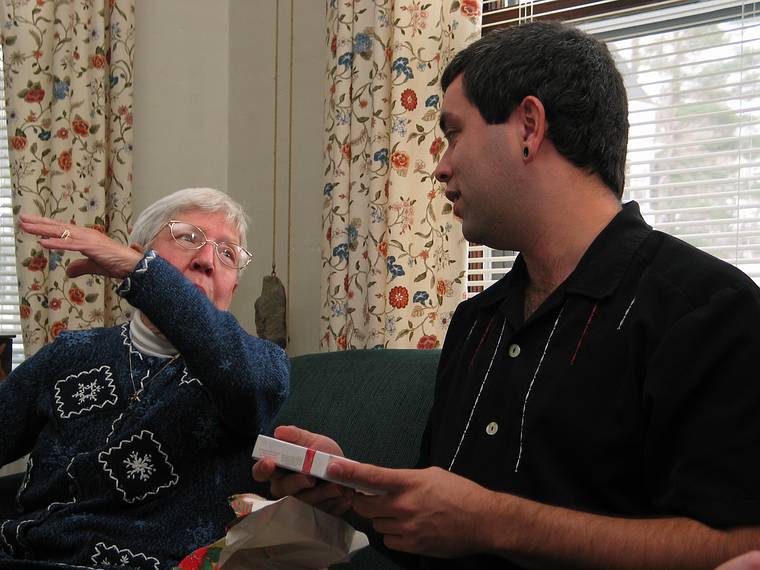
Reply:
x=278, y=535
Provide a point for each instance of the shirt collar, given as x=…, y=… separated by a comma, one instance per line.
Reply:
x=600, y=269
x=606, y=260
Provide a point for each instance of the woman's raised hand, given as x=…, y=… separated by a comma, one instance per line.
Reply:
x=103, y=255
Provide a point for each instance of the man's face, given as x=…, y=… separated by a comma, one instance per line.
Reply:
x=201, y=266
x=480, y=169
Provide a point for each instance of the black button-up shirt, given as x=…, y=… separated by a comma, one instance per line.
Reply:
x=632, y=391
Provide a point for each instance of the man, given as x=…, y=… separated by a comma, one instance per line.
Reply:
x=596, y=408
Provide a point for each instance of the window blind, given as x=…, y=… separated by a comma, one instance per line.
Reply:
x=692, y=71
x=504, y=13
x=10, y=323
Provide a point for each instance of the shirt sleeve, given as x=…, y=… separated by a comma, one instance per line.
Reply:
x=247, y=377
x=702, y=392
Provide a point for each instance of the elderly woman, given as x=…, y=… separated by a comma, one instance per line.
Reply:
x=137, y=434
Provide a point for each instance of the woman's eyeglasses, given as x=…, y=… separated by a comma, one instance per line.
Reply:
x=188, y=236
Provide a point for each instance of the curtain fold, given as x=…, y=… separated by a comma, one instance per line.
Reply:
x=68, y=83
x=393, y=255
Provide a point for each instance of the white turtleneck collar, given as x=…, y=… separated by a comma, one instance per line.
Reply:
x=146, y=341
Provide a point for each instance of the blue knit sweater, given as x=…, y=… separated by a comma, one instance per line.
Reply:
x=111, y=480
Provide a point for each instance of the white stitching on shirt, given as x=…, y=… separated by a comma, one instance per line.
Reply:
x=530, y=387
x=142, y=265
x=625, y=315
x=8, y=548
x=26, y=480
x=105, y=456
x=188, y=379
x=128, y=342
x=483, y=383
x=68, y=404
x=102, y=550
x=472, y=328
x=113, y=427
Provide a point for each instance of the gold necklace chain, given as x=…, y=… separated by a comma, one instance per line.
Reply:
x=135, y=397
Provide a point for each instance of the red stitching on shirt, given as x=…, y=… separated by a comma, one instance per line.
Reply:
x=583, y=334
x=480, y=343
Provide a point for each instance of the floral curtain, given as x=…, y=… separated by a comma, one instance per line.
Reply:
x=393, y=255
x=68, y=85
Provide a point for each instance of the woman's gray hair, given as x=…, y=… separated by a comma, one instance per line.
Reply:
x=207, y=200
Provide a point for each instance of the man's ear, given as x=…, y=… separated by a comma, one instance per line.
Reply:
x=533, y=125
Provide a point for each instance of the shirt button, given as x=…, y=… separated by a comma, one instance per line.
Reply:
x=514, y=350
x=492, y=428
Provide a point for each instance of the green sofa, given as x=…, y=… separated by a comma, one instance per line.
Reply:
x=374, y=403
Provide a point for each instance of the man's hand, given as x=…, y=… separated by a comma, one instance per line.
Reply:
x=329, y=497
x=103, y=255
x=425, y=511
x=749, y=561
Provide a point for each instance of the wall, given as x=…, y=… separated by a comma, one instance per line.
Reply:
x=181, y=92
x=204, y=116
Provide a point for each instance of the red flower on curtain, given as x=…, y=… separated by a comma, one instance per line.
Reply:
x=398, y=297
x=436, y=147
x=470, y=8
x=18, y=142
x=80, y=126
x=57, y=328
x=409, y=99
x=37, y=262
x=400, y=162
x=64, y=160
x=428, y=342
x=76, y=295
x=98, y=61
x=33, y=93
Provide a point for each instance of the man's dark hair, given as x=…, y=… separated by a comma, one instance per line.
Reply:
x=574, y=76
